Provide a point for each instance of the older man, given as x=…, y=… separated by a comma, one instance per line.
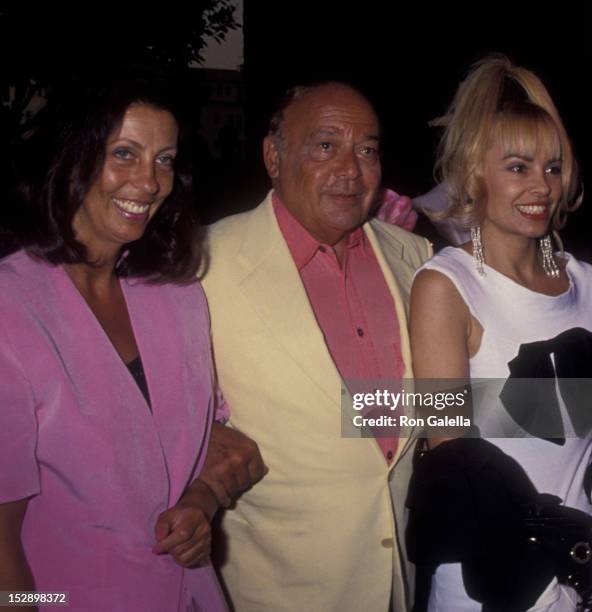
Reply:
x=305, y=293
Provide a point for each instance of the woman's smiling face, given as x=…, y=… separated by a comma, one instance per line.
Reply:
x=136, y=177
x=523, y=184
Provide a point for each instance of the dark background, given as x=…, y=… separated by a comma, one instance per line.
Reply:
x=407, y=58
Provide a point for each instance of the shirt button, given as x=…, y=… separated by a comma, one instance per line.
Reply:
x=389, y=455
x=387, y=543
x=360, y=332
x=322, y=249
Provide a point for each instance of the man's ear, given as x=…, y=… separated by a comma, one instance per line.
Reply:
x=271, y=157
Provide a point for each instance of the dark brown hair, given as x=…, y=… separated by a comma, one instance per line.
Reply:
x=169, y=249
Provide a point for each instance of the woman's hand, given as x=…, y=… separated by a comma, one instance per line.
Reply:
x=183, y=531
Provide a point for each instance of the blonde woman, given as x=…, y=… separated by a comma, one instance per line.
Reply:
x=476, y=310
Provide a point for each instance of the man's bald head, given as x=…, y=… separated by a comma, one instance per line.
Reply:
x=299, y=92
x=322, y=154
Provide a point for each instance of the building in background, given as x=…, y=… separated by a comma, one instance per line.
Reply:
x=221, y=83
x=222, y=121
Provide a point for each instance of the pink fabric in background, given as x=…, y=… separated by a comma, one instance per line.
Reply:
x=396, y=210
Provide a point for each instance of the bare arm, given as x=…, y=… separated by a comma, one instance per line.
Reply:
x=439, y=327
x=15, y=574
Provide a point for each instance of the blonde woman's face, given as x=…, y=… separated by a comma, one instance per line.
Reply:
x=522, y=189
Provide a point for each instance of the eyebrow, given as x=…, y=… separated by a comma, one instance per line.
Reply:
x=330, y=132
x=528, y=158
x=519, y=156
x=140, y=145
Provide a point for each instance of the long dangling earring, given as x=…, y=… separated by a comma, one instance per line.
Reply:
x=478, y=250
x=549, y=263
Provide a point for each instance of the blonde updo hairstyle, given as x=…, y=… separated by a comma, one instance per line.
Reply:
x=500, y=101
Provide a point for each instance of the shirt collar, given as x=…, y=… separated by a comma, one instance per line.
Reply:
x=303, y=246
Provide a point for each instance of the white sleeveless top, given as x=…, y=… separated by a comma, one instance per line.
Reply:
x=512, y=315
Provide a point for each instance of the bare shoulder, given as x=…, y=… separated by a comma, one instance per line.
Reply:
x=439, y=327
x=435, y=288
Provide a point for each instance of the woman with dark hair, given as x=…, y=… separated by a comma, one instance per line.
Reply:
x=501, y=308
x=106, y=374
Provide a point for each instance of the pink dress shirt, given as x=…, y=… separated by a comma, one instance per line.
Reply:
x=352, y=304
x=77, y=437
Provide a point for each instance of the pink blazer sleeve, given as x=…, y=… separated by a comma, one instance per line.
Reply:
x=19, y=472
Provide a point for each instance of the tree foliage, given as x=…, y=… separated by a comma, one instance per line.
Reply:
x=46, y=47
x=42, y=47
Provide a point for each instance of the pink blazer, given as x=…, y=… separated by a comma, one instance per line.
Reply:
x=78, y=439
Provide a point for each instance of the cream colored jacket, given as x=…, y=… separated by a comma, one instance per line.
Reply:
x=319, y=533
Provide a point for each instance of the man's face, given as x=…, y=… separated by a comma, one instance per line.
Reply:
x=326, y=169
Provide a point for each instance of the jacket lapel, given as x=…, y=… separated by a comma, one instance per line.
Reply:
x=398, y=274
x=272, y=284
